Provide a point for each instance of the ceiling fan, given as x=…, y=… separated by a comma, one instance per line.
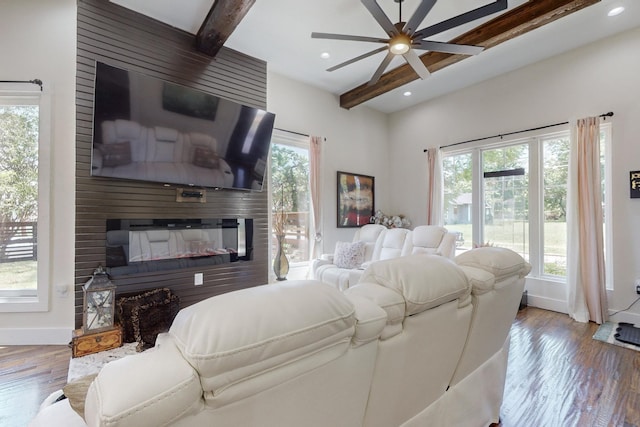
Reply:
x=404, y=39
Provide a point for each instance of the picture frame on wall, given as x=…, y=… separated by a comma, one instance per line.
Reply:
x=356, y=199
x=634, y=184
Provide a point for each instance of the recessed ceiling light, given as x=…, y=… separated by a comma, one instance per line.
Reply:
x=407, y=93
x=325, y=55
x=616, y=11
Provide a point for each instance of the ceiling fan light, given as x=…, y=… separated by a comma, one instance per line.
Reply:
x=400, y=44
x=399, y=48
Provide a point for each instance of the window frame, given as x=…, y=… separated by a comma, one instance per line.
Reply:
x=291, y=139
x=38, y=300
x=535, y=141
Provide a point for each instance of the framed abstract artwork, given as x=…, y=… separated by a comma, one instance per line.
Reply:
x=356, y=195
x=634, y=184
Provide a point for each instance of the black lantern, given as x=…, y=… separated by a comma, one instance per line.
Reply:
x=99, y=303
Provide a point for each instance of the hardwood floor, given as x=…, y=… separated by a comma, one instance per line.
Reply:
x=558, y=377
x=28, y=374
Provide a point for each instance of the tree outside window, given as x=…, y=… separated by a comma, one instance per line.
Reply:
x=19, y=127
x=291, y=199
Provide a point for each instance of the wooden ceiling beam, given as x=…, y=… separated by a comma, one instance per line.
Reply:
x=513, y=23
x=222, y=19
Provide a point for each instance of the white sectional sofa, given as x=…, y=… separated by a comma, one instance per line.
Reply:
x=382, y=244
x=159, y=154
x=421, y=340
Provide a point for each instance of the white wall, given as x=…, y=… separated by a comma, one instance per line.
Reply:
x=356, y=141
x=588, y=81
x=39, y=41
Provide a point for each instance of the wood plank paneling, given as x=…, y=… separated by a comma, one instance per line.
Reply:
x=125, y=39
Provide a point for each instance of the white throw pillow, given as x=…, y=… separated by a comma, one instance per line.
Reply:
x=349, y=255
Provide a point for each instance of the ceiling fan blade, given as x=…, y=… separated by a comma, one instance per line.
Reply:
x=358, y=58
x=462, y=49
x=374, y=9
x=418, y=16
x=466, y=17
x=348, y=37
x=383, y=66
x=416, y=63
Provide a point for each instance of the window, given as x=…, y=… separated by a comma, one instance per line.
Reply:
x=24, y=167
x=555, y=172
x=458, y=201
x=505, y=197
x=290, y=193
x=517, y=199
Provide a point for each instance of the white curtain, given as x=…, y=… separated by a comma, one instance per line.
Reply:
x=435, y=188
x=315, y=224
x=587, y=297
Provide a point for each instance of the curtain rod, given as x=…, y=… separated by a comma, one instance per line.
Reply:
x=605, y=115
x=290, y=131
x=34, y=81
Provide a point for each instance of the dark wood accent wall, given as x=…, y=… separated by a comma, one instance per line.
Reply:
x=125, y=39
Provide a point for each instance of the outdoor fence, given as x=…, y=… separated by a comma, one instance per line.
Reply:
x=18, y=241
x=296, y=236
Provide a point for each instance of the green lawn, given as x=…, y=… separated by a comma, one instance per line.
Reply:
x=515, y=235
x=18, y=275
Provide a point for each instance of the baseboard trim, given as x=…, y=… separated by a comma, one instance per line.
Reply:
x=560, y=306
x=624, y=317
x=40, y=336
x=545, y=303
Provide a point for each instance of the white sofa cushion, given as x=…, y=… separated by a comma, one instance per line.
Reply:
x=426, y=238
x=500, y=262
x=236, y=336
x=392, y=243
x=369, y=232
x=425, y=281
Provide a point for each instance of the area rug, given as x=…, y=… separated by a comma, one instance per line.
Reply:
x=92, y=363
x=606, y=332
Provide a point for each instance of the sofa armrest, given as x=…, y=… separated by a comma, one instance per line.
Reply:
x=370, y=320
x=354, y=276
x=481, y=280
x=501, y=262
x=139, y=390
x=424, y=281
x=316, y=265
x=447, y=247
x=387, y=299
x=327, y=257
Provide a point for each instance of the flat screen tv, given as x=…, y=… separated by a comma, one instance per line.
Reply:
x=148, y=129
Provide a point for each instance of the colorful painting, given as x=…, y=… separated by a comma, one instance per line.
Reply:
x=634, y=183
x=355, y=199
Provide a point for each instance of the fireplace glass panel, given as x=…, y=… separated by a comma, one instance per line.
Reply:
x=138, y=246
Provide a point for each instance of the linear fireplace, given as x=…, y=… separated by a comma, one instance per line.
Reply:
x=147, y=245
